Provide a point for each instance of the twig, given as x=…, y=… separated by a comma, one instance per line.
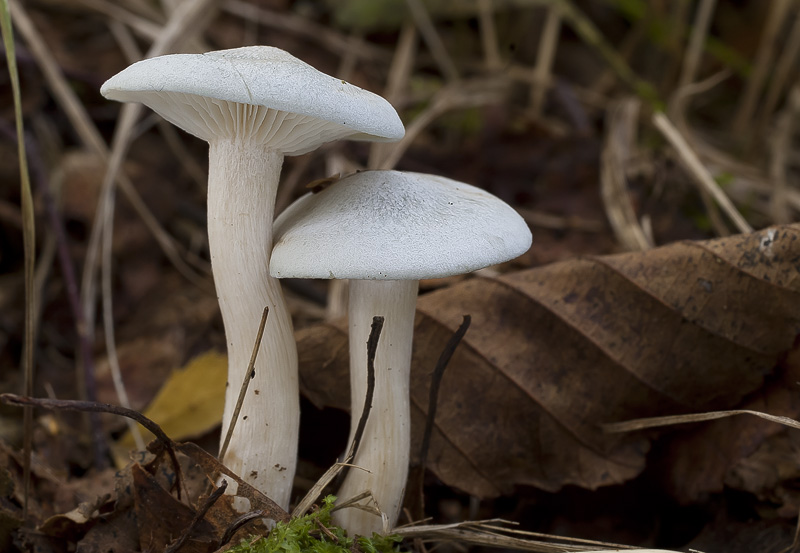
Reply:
x=436, y=380
x=700, y=173
x=248, y=376
x=653, y=422
x=761, y=66
x=95, y=407
x=548, y=44
x=452, y=96
x=29, y=245
x=432, y=39
x=396, y=82
x=372, y=348
x=784, y=69
x=198, y=516
x=621, y=122
x=417, y=478
x=305, y=28
x=488, y=32
x=778, y=166
x=691, y=59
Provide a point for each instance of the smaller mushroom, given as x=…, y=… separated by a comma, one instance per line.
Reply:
x=386, y=230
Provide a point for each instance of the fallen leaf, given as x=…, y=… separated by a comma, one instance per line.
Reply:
x=555, y=351
x=189, y=403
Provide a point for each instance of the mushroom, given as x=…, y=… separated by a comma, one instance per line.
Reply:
x=254, y=105
x=386, y=230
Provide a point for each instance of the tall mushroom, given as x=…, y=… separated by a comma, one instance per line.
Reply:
x=386, y=230
x=254, y=105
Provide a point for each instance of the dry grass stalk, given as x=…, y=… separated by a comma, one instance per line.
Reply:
x=495, y=533
x=698, y=170
x=396, y=84
x=454, y=96
x=488, y=32
x=546, y=53
x=432, y=39
x=619, y=145
x=694, y=52
x=761, y=66
x=301, y=26
x=779, y=162
x=784, y=69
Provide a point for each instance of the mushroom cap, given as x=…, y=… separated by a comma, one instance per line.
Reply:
x=392, y=225
x=260, y=91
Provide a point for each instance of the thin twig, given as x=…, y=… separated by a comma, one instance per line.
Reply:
x=372, y=348
x=698, y=171
x=785, y=67
x=653, y=422
x=548, y=44
x=95, y=407
x=488, y=33
x=761, y=66
x=436, y=381
x=621, y=120
x=29, y=245
x=248, y=376
x=432, y=39
x=691, y=59
x=198, y=516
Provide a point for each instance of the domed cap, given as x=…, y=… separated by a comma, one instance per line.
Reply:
x=257, y=91
x=381, y=225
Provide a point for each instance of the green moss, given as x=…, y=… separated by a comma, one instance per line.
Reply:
x=305, y=535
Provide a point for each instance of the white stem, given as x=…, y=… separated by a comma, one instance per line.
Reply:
x=242, y=183
x=385, y=444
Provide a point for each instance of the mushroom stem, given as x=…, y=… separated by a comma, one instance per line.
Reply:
x=384, y=447
x=242, y=183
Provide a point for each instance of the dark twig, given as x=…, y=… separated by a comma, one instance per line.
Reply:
x=248, y=376
x=198, y=516
x=238, y=523
x=372, y=348
x=94, y=407
x=433, y=400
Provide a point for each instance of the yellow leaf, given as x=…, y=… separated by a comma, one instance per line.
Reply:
x=189, y=403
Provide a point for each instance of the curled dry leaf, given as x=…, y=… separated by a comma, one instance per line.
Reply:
x=555, y=351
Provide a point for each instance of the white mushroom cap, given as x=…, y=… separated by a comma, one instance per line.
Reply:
x=256, y=91
x=381, y=225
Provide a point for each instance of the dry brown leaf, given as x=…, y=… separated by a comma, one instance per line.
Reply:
x=555, y=351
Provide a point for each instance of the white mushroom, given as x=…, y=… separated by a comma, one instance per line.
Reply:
x=386, y=230
x=253, y=106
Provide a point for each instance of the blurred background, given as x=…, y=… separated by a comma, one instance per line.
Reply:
x=611, y=125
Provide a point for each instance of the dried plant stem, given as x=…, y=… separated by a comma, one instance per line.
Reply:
x=694, y=52
x=698, y=171
x=488, y=32
x=620, y=140
x=653, y=422
x=784, y=69
x=432, y=39
x=548, y=44
x=458, y=95
x=779, y=161
x=305, y=28
x=248, y=376
x=92, y=139
x=29, y=245
x=761, y=66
